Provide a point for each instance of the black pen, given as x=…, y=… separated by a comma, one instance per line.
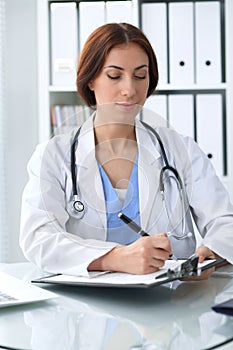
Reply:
x=138, y=229
x=132, y=224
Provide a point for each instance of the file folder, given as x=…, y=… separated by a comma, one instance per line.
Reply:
x=210, y=128
x=181, y=114
x=154, y=25
x=181, y=42
x=208, y=42
x=119, y=11
x=64, y=43
x=91, y=16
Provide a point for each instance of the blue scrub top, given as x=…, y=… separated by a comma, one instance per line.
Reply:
x=118, y=231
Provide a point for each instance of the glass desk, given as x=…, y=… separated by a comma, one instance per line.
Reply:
x=176, y=316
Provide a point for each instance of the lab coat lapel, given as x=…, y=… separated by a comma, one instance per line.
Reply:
x=89, y=179
x=149, y=166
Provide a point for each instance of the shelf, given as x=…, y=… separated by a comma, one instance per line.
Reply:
x=62, y=88
x=192, y=87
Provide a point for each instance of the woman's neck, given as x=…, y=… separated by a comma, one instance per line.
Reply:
x=110, y=124
x=108, y=132
x=115, y=138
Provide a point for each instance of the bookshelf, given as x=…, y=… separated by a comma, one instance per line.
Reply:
x=169, y=89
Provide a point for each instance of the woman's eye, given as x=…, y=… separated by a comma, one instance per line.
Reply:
x=140, y=77
x=113, y=77
x=118, y=76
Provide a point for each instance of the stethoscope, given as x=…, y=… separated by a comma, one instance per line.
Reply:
x=167, y=168
x=78, y=208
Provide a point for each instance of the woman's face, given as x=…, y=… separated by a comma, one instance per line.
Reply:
x=124, y=80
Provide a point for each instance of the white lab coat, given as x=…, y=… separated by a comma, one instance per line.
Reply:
x=60, y=243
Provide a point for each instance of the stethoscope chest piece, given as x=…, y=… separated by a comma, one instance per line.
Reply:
x=77, y=208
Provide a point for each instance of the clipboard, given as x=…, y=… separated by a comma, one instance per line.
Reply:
x=171, y=271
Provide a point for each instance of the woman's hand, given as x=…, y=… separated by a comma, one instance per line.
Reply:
x=204, y=253
x=145, y=255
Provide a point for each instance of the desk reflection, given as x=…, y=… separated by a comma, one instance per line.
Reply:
x=70, y=324
x=175, y=316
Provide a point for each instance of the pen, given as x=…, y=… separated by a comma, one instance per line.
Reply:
x=173, y=257
x=138, y=229
x=132, y=224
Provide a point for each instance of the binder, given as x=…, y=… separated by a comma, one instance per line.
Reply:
x=91, y=16
x=64, y=43
x=119, y=11
x=155, y=110
x=208, y=42
x=181, y=113
x=181, y=42
x=154, y=25
x=210, y=128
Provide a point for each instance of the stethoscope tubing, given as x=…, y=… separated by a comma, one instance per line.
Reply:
x=72, y=164
x=167, y=167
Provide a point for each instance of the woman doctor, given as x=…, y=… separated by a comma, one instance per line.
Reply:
x=118, y=167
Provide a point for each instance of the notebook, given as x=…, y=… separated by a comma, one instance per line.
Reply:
x=14, y=291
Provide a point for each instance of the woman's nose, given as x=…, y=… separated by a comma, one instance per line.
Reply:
x=128, y=88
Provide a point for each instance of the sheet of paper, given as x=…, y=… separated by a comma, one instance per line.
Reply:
x=119, y=278
x=110, y=278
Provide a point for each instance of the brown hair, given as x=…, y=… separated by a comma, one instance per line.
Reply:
x=98, y=46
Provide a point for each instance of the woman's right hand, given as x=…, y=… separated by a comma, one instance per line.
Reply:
x=145, y=255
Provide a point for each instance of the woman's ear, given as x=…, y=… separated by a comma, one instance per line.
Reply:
x=91, y=85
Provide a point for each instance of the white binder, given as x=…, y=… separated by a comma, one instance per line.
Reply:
x=208, y=42
x=119, y=11
x=64, y=43
x=154, y=25
x=91, y=16
x=181, y=42
x=181, y=114
x=155, y=110
x=210, y=128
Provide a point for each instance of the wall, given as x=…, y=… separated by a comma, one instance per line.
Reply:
x=21, y=78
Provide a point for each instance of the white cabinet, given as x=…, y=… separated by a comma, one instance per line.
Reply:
x=196, y=72
x=62, y=29
x=194, y=46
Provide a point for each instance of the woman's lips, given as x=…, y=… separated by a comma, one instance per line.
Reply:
x=126, y=106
